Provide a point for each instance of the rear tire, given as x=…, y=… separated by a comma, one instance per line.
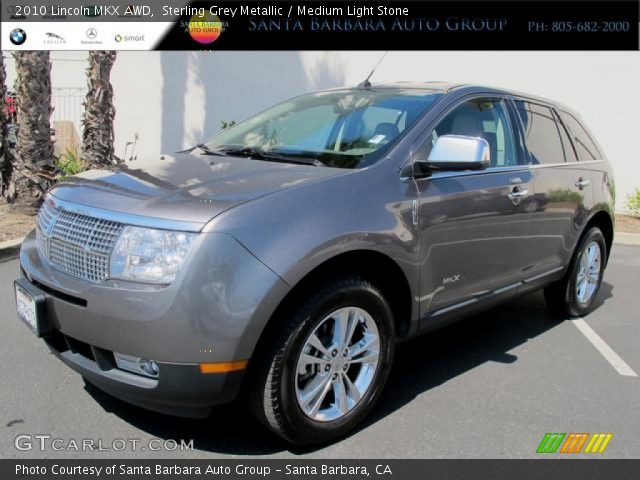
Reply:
x=307, y=353
x=575, y=293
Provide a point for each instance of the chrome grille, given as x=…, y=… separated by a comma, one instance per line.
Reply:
x=76, y=244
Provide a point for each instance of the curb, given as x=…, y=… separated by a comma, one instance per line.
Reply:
x=10, y=249
x=626, y=238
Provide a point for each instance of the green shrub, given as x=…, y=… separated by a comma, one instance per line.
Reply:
x=70, y=163
x=633, y=203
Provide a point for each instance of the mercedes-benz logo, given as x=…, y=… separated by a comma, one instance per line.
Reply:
x=92, y=33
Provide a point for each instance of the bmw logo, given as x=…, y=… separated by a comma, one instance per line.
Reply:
x=18, y=36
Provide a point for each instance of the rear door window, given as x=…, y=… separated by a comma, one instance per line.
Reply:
x=541, y=132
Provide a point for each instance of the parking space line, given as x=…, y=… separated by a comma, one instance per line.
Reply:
x=605, y=350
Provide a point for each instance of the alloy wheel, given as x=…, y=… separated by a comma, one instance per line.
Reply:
x=337, y=364
x=588, y=275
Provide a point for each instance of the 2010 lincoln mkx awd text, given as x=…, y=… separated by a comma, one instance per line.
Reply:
x=286, y=257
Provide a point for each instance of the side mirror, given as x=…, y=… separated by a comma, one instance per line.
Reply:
x=456, y=152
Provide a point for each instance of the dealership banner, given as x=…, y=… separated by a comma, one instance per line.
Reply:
x=301, y=25
x=324, y=469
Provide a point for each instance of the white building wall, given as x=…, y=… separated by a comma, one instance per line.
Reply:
x=176, y=99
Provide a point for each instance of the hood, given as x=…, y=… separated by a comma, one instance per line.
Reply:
x=186, y=187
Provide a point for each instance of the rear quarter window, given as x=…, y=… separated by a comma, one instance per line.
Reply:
x=585, y=146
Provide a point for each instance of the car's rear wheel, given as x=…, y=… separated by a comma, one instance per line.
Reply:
x=325, y=368
x=574, y=295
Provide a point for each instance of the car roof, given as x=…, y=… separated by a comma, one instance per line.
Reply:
x=462, y=88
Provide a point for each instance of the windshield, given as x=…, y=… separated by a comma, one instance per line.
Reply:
x=345, y=128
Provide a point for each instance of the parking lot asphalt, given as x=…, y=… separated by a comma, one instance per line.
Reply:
x=490, y=386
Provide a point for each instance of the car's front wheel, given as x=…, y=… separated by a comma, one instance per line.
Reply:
x=325, y=368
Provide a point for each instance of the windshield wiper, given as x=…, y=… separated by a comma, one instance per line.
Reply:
x=210, y=151
x=259, y=154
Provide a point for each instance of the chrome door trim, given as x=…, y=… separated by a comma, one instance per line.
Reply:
x=512, y=168
x=488, y=295
x=455, y=306
x=507, y=288
x=543, y=274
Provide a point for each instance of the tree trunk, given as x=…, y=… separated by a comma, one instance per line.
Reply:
x=97, y=120
x=5, y=153
x=33, y=169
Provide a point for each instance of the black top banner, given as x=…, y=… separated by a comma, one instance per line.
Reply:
x=330, y=25
x=498, y=25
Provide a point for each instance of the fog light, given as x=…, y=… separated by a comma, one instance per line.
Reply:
x=149, y=367
x=141, y=366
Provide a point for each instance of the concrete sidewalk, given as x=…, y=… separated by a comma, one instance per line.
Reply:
x=626, y=238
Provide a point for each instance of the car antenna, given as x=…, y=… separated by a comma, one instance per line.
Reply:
x=367, y=83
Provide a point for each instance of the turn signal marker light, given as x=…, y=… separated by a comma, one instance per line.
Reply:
x=223, y=367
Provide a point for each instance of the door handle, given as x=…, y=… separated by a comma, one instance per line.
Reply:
x=517, y=194
x=581, y=183
x=515, y=181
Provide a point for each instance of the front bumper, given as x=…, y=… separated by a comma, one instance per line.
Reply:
x=212, y=313
x=179, y=389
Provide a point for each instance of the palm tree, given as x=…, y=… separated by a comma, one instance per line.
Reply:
x=97, y=120
x=5, y=153
x=33, y=169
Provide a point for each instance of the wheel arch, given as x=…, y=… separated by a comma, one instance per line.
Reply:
x=376, y=267
x=604, y=221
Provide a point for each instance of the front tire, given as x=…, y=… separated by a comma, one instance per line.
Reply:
x=325, y=368
x=574, y=295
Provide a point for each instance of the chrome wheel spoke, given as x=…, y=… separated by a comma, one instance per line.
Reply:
x=306, y=359
x=343, y=328
x=584, y=262
x=351, y=328
x=340, y=325
x=315, y=342
x=353, y=391
x=368, y=342
x=340, y=394
x=368, y=358
x=594, y=254
x=581, y=295
x=312, y=398
x=581, y=283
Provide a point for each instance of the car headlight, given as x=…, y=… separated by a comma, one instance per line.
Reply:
x=148, y=255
